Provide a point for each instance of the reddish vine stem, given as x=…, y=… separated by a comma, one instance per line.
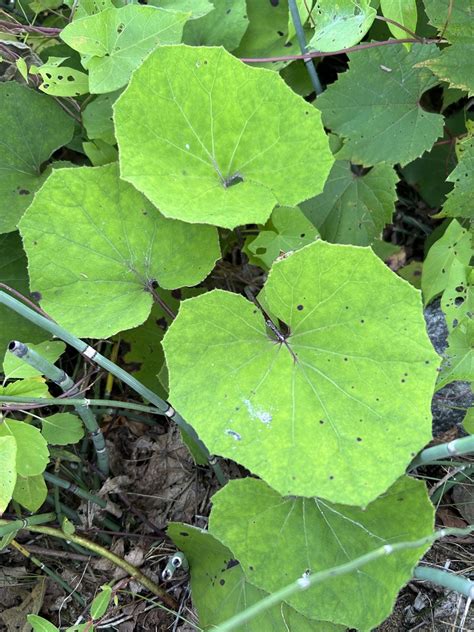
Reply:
x=343, y=51
x=400, y=26
x=18, y=29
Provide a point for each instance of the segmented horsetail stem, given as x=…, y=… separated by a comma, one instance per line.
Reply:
x=312, y=72
x=81, y=346
x=48, y=571
x=24, y=523
x=465, y=445
x=452, y=581
x=66, y=384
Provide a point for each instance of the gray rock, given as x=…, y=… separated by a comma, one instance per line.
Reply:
x=449, y=404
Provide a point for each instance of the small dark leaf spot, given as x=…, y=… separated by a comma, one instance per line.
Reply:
x=346, y=359
x=23, y=192
x=402, y=380
x=60, y=77
x=184, y=534
x=302, y=235
x=362, y=321
x=36, y=296
x=331, y=477
x=231, y=564
x=250, y=568
x=359, y=438
x=162, y=324
x=280, y=33
x=299, y=307
x=70, y=78
x=222, y=582
x=321, y=421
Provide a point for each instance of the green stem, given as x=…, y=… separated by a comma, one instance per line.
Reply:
x=48, y=571
x=39, y=402
x=74, y=489
x=465, y=445
x=66, y=384
x=118, y=561
x=25, y=523
x=446, y=579
x=78, y=344
x=313, y=75
x=305, y=582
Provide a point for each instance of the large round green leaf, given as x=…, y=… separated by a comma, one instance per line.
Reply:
x=339, y=412
x=209, y=139
x=288, y=537
x=95, y=246
x=220, y=589
x=33, y=126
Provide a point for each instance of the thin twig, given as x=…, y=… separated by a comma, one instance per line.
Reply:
x=400, y=26
x=343, y=51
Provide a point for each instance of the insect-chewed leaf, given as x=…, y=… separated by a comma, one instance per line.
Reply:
x=95, y=245
x=341, y=24
x=287, y=230
x=209, y=139
x=288, y=537
x=221, y=590
x=114, y=42
x=33, y=126
x=269, y=32
x=459, y=201
x=342, y=420
x=376, y=106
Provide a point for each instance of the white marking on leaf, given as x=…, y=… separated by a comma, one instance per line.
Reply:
x=257, y=413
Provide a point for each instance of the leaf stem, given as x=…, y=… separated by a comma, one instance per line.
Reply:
x=307, y=581
x=313, y=75
x=452, y=581
x=400, y=26
x=96, y=548
x=343, y=51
